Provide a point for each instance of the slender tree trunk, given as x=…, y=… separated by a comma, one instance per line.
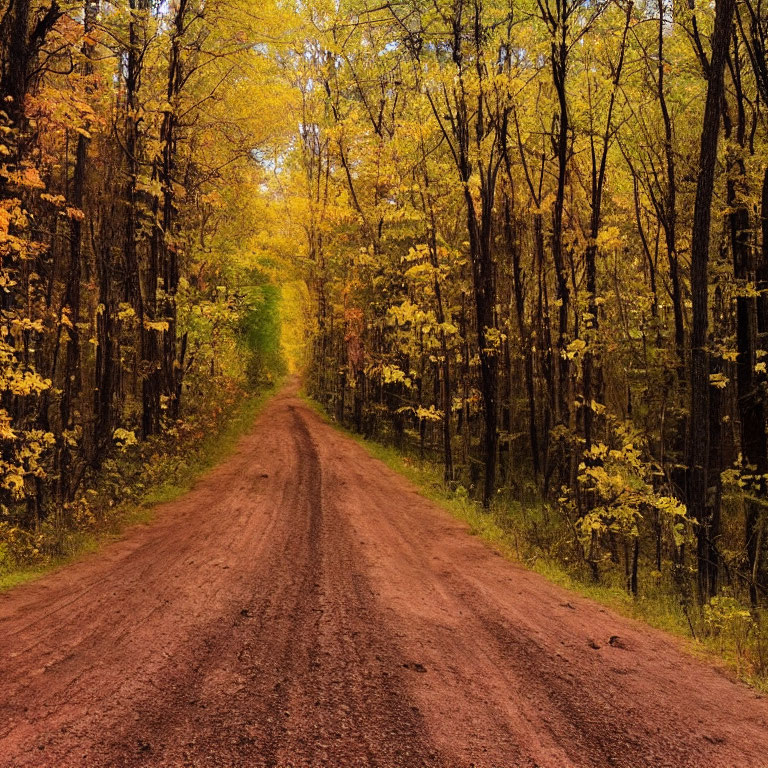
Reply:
x=172, y=367
x=669, y=216
x=698, y=446
x=72, y=374
x=526, y=339
x=751, y=405
x=559, y=71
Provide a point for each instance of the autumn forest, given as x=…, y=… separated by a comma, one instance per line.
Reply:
x=521, y=243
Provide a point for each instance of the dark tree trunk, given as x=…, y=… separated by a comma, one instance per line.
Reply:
x=559, y=71
x=525, y=338
x=171, y=369
x=591, y=364
x=698, y=444
x=72, y=374
x=751, y=405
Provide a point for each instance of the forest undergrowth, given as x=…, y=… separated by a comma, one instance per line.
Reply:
x=133, y=483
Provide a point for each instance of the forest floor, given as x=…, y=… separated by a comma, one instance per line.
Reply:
x=304, y=606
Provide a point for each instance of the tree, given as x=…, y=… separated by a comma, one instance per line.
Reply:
x=699, y=446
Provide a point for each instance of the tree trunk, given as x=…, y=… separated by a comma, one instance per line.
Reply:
x=698, y=445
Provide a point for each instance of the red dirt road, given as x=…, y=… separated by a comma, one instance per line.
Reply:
x=304, y=606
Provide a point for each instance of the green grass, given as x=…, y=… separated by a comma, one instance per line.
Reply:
x=206, y=454
x=657, y=606
x=78, y=545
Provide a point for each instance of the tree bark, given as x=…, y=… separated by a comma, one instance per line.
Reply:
x=698, y=445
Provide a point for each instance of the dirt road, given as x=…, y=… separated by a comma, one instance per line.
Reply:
x=304, y=606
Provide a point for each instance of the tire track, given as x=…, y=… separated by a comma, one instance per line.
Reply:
x=303, y=607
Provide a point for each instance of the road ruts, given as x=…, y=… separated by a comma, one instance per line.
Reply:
x=303, y=606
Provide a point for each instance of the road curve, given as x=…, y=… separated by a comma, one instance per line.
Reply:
x=303, y=606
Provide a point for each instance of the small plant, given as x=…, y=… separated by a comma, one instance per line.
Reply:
x=615, y=494
x=728, y=620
